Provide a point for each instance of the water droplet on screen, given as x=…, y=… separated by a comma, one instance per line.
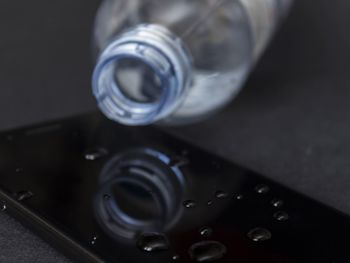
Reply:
x=210, y=202
x=95, y=154
x=207, y=251
x=175, y=257
x=278, y=203
x=262, y=189
x=19, y=170
x=221, y=194
x=189, y=204
x=151, y=242
x=3, y=206
x=205, y=232
x=281, y=216
x=259, y=234
x=24, y=195
x=239, y=197
x=93, y=241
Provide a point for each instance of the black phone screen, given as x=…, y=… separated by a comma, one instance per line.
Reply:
x=101, y=192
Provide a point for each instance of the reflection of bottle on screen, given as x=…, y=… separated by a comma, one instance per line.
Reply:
x=177, y=61
x=139, y=191
x=144, y=190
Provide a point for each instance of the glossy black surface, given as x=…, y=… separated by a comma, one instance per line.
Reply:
x=105, y=192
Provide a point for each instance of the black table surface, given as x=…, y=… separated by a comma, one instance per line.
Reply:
x=291, y=122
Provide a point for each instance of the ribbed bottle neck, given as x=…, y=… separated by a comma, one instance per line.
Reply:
x=161, y=51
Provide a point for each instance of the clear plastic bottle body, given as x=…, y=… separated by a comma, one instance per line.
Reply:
x=215, y=45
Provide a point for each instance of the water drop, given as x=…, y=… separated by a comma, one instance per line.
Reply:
x=278, y=203
x=3, y=206
x=19, y=170
x=151, y=242
x=175, y=257
x=239, y=197
x=262, y=189
x=259, y=234
x=210, y=202
x=221, y=194
x=189, y=204
x=95, y=154
x=281, y=216
x=93, y=241
x=24, y=195
x=206, y=232
x=207, y=251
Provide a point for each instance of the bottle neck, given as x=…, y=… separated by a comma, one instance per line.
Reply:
x=142, y=76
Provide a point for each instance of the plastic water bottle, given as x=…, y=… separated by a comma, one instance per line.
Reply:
x=177, y=61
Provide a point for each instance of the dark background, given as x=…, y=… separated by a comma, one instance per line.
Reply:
x=291, y=122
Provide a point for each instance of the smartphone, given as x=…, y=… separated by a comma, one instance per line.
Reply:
x=101, y=192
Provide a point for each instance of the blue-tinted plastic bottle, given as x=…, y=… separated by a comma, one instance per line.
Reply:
x=177, y=61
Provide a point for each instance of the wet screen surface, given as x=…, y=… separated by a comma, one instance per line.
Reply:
x=119, y=194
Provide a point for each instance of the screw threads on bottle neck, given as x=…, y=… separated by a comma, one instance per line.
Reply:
x=147, y=46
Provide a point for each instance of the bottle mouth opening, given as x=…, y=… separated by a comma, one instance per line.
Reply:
x=136, y=90
x=138, y=81
x=142, y=76
x=139, y=190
